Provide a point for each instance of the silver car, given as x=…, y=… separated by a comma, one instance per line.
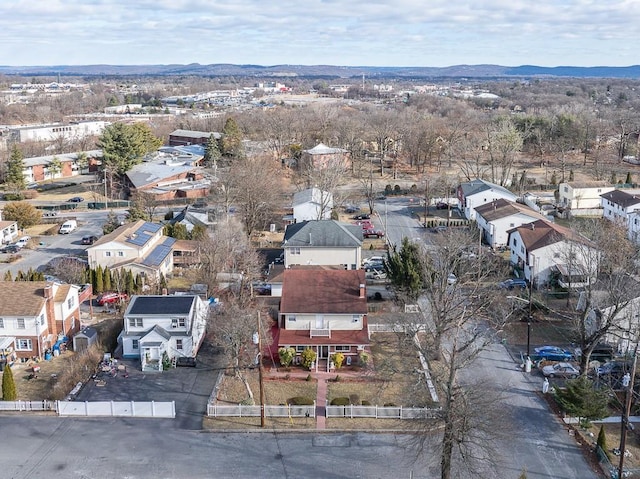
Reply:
x=561, y=370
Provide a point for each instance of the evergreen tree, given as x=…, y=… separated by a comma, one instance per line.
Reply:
x=8, y=276
x=580, y=399
x=9, y=392
x=99, y=280
x=124, y=145
x=212, y=152
x=106, y=279
x=629, y=179
x=602, y=439
x=198, y=233
x=139, y=283
x=231, y=138
x=130, y=283
x=405, y=269
x=15, y=167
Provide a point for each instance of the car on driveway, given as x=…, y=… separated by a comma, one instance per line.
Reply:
x=373, y=233
x=89, y=239
x=76, y=199
x=50, y=213
x=363, y=216
x=10, y=248
x=614, y=368
x=561, y=370
x=553, y=353
x=22, y=242
x=110, y=298
x=513, y=283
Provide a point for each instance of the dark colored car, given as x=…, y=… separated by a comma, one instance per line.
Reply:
x=10, y=249
x=76, y=199
x=614, y=368
x=441, y=205
x=363, y=216
x=553, y=353
x=185, y=362
x=89, y=239
x=513, y=284
x=110, y=298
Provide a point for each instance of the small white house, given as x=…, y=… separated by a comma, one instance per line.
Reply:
x=582, y=196
x=159, y=328
x=495, y=219
x=312, y=204
x=479, y=192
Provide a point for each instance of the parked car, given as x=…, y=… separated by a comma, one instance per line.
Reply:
x=351, y=208
x=553, y=353
x=363, y=216
x=514, y=283
x=561, y=370
x=10, y=248
x=614, y=368
x=68, y=227
x=22, y=242
x=110, y=298
x=76, y=199
x=89, y=239
x=373, y=233
x=441, y=205
x=50, y=213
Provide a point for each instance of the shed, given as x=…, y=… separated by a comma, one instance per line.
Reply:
x=85, y=338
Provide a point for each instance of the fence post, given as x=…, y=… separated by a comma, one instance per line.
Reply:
x=133, y=408
x=173, y=409
x=401, y=415
x=86, y=408
x=153, y=409
x=111, y=407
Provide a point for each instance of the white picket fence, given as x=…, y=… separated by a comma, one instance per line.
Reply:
x=240, y=410
x=27, y=405
x=117, y=408
x=382, y=412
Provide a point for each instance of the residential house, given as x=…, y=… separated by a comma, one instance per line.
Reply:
x=191, y=216
x=39, y=168
x=312, y=204
x=545, y=252
x=158, y=328
x=495, y=219
x=168, y=180
x=577, y=196
x=35, y=315
x=323, y=156
x=623, y=208
x=140, y=247
x=324, y=242
x=479, y=192
x=8, y=231
x=191, y=137
x=325, y=310
x=186, y=254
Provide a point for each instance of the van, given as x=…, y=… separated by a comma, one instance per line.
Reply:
x=67, y=227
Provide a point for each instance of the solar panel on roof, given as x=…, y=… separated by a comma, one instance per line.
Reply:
x=143, y=234
x=157, y=255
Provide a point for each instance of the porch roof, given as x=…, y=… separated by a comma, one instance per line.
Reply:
x=300, y=337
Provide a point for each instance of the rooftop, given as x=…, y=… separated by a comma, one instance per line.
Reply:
x=324, y=233
x=160, y=305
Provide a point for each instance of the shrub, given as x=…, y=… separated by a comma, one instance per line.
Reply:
x=366, y=403
x=340, y=401
x=9, y=391
x=354, y=399
x=286, y=356
x=30, y=194
x=168, y=215
x=364, y=359
x=397, y=190
x=388, y=189
x=308, y=357
x=389, y=404
x=602, y=439
x=308, y=378
x=300, y=401
x=287, y=376
x=338, y=360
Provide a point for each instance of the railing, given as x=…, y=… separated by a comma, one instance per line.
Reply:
x=322, y=333
x=240, y=410
x=27, y=405
x=117, y=408
x=378, y=412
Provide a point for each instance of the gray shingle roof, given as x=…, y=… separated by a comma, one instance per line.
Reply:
x=474, y=187
x=327, y=233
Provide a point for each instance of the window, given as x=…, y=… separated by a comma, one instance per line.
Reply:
x=515, y=242
x=41, y=319
x=355, y=318
x=566, y=189
x=300, y=349
x=23, y=345
x=120, y=253
x=20, y=323
x=294, y=251
x=291, y=319
x=135, y=322
x=70, y=302
x=107, y=253
x=343, y=348
x=1, y=323
x=135, y=344
x=522, y=249
x=179, y=344
x=178, y=322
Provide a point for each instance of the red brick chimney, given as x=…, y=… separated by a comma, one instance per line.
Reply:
x=50, y=309
x=362, y=290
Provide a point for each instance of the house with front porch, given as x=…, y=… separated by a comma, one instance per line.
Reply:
x=325, y=310
x=544, y=252
x=323, y=242
x=163, y=328
x=495, y=219
x=35, y=315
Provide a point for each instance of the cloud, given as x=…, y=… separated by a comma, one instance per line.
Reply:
x=374, y=32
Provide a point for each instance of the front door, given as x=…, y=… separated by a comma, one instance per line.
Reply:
x=324, y=352
x=319, y=321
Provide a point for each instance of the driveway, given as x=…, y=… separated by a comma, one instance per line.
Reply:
x=189, y=388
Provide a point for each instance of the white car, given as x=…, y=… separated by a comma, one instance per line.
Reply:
x=22, y=242
x=561, y=370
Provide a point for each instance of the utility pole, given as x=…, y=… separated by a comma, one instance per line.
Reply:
x=262, y=418
x=624, y=419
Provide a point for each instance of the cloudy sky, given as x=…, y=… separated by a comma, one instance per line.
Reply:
x=309, y=32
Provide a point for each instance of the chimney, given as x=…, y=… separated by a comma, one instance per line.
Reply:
x=533, y=226
x=50, y=310
x=362, y=288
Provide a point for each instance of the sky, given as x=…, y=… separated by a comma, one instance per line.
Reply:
x=426, y=33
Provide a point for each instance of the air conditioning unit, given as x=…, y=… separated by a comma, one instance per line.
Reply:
x=361, y=348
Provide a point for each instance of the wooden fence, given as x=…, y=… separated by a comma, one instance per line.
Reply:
x=240, y=410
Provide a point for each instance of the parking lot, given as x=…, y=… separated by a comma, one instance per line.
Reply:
x=189, y=387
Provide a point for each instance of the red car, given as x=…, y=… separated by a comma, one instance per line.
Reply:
x=372, y=233
x=366, y=224
x=110, y=298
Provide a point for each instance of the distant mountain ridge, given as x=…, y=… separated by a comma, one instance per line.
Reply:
x=327, y=71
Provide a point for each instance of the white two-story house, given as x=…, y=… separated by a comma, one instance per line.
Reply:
x=542, y=249
x=495, y=219
x=479, y=192
x=312, y=204
x=325, y=310
x=163, y=327
x=578, y=196
x=324, y=242
x=140, y=247
x=623, y=208
x=35, y=315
